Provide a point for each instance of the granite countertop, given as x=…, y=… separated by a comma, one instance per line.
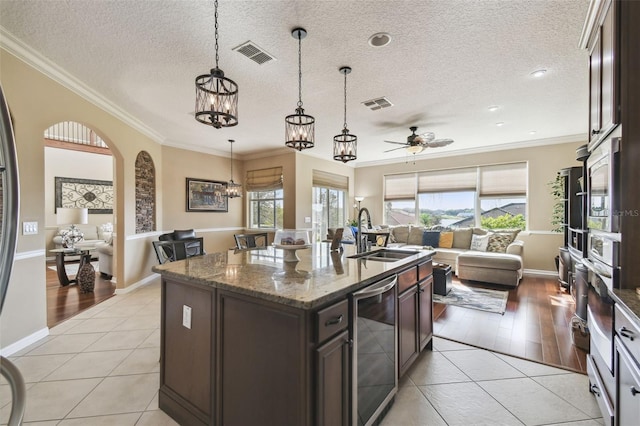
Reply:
x=630, y=299
x=320, y=276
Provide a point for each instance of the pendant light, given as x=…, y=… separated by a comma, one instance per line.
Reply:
x=233, y=189
x=299, y=127
x=345, y=144
x=216, y=95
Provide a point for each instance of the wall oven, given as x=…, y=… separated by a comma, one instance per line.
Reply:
x=374, y=363
x=603, y=184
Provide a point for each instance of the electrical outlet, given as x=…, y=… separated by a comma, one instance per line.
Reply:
x=307, y=219
x=186, y=316
x=29, y=228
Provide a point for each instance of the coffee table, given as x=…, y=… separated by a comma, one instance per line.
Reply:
x=441, y=279
x=85, y=257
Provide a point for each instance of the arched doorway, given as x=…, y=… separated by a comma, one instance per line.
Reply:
x=79, y=169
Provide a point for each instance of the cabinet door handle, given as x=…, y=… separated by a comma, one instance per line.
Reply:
x=634, y=391
x=334, y=321
x=625, y=332
x=594, y=131
x=594, y=390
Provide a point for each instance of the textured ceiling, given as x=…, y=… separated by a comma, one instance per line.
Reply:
x=447, y=62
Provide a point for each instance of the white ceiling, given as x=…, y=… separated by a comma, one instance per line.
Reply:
x=448, y=61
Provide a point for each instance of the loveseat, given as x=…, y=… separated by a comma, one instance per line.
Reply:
x=493, y=256
x=92, y=234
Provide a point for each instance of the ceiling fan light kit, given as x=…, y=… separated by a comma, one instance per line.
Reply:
x=216, y=95
x=345, y=145
x=299, y=127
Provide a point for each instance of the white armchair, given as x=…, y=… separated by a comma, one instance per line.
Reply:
x=105, y=258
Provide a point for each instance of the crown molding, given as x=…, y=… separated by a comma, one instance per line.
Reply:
x=430, y=155
x=34, y=59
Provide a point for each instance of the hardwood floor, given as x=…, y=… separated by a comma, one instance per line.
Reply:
x=535, y=326
x=65, y=302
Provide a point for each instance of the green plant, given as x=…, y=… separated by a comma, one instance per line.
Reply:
x=556, y=188
x=352, y=222
x=428, y=219
x=504, y=221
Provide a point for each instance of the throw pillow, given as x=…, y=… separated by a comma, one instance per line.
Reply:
x=479, y=242
x=498, y=242
x=400, y=234
x=431, y=238
x=462, y=238
x=446, y=240
x=415, y=236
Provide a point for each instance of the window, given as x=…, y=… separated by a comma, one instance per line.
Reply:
x=266, y=209
x=266, y=198
x=329, y=202
x=489, y=196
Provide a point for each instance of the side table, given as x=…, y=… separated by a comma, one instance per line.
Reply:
x=85, y=257
x=441, y=279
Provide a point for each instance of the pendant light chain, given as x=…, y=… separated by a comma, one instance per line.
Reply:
x=300, y=72
x=345, y=100
x=215, y=3
x=231, y=140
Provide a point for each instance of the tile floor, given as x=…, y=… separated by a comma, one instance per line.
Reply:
x=101, y=368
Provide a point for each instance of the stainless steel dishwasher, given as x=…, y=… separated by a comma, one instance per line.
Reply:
x=374, y=332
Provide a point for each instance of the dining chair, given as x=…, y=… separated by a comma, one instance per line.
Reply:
x=172, y=250
x=245, y=241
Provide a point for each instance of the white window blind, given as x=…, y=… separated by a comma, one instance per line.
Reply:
x=504, y=180
x=400, y=187
x=264, y=179
x=463, y=179
x=329, y=180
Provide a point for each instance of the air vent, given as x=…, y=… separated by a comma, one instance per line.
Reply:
x=254, y=52
x=378, y=103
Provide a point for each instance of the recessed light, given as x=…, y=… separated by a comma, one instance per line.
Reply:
x=539, y=73
x=500, y=123
x=533, y=132
x=493, y=108
x=379, y=39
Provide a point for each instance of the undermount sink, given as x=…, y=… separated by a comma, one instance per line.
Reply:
x=383, y=255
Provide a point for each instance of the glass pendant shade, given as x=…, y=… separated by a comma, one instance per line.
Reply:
x=216, y=100
x=299, y=128
x=216, y=95
x=345, y=146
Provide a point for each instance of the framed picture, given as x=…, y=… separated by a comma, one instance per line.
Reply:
x=95, y=195
x=206, y=196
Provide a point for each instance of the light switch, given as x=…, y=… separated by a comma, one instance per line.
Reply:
x=29, y=228
x=186, y=316
x=307, y=219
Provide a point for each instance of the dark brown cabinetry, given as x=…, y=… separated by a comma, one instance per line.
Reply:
x=415, y=314
x=574, y=211
x=333, y=381
x=604, y=99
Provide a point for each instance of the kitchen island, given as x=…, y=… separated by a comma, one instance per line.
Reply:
x=250, y=339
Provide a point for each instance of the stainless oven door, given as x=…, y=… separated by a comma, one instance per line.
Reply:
x=374, y=333
x=600, y=310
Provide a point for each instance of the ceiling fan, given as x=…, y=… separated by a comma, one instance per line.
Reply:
x=416, y=143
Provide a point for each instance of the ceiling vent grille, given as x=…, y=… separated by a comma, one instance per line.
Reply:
x=254, y=52
x=378, y=103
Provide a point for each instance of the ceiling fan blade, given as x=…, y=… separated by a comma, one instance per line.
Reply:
x=426, y=137
x=397, y=143
x=394, y=149
x=438, y=143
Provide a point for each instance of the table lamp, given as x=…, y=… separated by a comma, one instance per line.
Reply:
x=72, y=217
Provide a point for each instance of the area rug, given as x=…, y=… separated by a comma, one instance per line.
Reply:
x=475, y=298
x=72, y=268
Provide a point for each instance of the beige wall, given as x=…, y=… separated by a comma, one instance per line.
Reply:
x=37, y=102
x=541, y=246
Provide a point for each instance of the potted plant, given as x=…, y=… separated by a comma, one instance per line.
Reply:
x=557, y=214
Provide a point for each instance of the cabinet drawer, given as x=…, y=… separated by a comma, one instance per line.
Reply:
x=332, y=319
x=407, y=278
x=599, y=391
x=628, y=331
x=424, y=270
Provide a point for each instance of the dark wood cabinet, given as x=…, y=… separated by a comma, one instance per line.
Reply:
x=415, y=315
x=574, y=225
x=333, y=381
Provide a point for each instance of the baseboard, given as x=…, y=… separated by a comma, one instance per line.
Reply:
x=539, y=273
x=137, y=285
x=24, y=342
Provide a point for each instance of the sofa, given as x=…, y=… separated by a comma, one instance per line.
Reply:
x=92, y=234
x=493, y=256
x=105, y=258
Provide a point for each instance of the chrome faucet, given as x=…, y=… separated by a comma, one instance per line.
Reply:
x=361, y=244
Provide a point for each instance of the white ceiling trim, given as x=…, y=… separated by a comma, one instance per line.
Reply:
x=429, y=155
x=31, y=57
